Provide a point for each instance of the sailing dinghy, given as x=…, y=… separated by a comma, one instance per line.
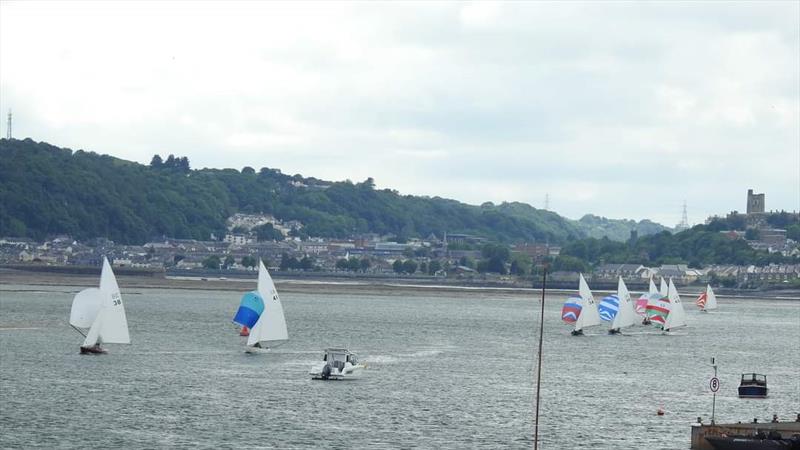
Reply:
x=581, y=311
x=707, y=300
x=102, y=313
x=649, y=298
x=618, y=309
x=677, y=316
x=261, y=311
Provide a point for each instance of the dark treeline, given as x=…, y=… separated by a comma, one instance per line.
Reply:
x=46, y=190
x=697, y=247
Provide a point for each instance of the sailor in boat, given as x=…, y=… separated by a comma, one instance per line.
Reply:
x=645, y=321
x=96, y=348
x=337, y=364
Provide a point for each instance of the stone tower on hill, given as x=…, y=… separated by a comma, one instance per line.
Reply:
x=755, y=202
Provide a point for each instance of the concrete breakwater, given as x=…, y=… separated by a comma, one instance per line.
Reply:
x=700, y=431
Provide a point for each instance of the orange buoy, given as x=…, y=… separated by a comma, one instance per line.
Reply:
x=245, y=331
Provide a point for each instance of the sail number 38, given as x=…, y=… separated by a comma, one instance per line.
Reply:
x=116, y=299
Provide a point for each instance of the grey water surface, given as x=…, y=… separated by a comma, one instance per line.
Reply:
x=446, y=370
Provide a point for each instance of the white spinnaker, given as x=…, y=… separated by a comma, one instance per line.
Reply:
x=110, y=325
x=711, y=299
x=589, y=315
x=85, y=307
x=626, y=315
x=677, y=316
x=271, y=326
x=664, y=291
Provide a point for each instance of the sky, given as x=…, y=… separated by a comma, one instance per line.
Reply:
x=619, y=109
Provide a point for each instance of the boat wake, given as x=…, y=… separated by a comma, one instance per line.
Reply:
x=402, y=357
x=640, y=333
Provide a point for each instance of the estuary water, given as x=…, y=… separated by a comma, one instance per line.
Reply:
x=446, y=370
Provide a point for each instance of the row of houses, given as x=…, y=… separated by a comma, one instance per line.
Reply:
x=678, y=272
x=686, y=275
x=190, y=254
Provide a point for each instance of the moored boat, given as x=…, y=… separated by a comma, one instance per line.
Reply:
x=753, y=385
x=756, y=442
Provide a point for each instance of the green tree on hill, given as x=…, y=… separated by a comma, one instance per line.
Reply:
x=249, y=261
x=409, y=266
x=212, y=262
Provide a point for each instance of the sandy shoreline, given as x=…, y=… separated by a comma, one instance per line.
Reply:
x=14, y=280
x=11, y=281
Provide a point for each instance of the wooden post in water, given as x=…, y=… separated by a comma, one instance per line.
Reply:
x=539, y=363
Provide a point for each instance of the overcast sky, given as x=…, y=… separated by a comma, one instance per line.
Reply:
x=619, y=109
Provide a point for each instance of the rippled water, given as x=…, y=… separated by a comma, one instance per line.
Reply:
x=447, y=370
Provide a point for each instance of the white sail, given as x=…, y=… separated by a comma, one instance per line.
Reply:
x=85, y=307
x=626, y=316
x=664, y=291
x=270, y=329
x=110, y=325
x=589, y=315
x=653, y=288
x=677, y=316
x=711, y=299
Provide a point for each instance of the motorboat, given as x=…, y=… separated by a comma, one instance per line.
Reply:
x=753, y=385
x=337, y=364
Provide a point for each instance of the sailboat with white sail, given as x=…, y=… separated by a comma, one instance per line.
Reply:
x=664, y=289
x=101, y=313
x=262, y=312
x=677, y=316
x=648, y=298
x=707, y=300
x=581, y=311
x=618, y=309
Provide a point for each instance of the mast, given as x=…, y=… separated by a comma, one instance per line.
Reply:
x=78, y=330
x=539, y=361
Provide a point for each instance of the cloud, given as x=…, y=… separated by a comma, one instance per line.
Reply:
x=619, y=109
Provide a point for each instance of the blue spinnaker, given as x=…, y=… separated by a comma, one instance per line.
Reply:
x=609, y=307
x=250, y=309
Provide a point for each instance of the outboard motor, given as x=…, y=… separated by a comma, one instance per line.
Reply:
x=326, y=371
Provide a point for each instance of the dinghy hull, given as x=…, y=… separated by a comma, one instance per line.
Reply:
x=93, y=350
x=256, y=350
